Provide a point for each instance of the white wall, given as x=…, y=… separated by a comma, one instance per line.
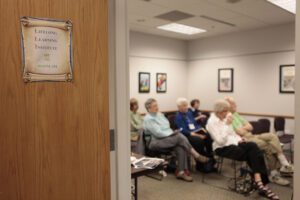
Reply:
x=192, y=69
x=255, y=57
x=154, y=54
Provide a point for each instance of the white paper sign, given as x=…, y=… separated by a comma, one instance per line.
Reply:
x=47, y=49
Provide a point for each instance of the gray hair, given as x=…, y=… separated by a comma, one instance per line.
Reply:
x=181, y=100
x=220, y=105
x=149, y=102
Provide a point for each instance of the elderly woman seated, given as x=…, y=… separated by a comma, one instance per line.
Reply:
x=227, y=143
x=136, y=123
x=268, y=142
x=162, y=137
x=197, y=136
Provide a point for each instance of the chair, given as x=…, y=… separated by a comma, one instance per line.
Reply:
x=279, y=125
x=219, y=162
x=171, y=119
x=264, y=125
x=256, y=127
x=151, y=153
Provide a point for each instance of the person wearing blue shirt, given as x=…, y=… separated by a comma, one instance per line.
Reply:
x=163, y=137
x=197, y=136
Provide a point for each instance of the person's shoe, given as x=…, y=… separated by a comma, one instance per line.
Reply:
x=202, y=159
x=279, y=180
x=287, y=170
x=184, y=177
x=186, y=171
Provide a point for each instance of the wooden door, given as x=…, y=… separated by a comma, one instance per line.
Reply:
x=54, y=137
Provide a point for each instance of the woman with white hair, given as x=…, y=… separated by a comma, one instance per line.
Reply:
x=197, y=136
x=163, y=137
x=227, y=143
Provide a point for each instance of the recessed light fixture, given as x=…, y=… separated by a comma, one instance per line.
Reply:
x=180, y=28
x=289, y=5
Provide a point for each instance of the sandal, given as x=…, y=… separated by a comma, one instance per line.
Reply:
x=265, y=191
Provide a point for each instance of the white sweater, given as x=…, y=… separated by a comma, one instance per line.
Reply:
x=221, y=133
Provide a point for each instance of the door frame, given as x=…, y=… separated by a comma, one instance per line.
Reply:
x=119, y=99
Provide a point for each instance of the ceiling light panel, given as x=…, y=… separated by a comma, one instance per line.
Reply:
x=180, y=28
x=289, y=5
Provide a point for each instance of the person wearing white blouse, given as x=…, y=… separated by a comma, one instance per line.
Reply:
x=227, y=143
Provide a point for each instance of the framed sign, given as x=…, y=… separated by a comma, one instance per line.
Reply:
x=144, y=82
x=46, y=49
x=225, y=80
x=287, y=79
x=161, y=82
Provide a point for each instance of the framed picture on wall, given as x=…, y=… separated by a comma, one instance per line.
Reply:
x=225, y=80
x=144, y=82
x=161, y=82
x=287, y=79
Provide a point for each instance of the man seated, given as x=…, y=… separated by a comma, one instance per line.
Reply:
x=268, y=142
x=162, y=137
x=200, y=118
x=197, y=136
x=227, y=143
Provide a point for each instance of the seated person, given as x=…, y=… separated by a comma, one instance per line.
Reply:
x=200, y=118
x=197, y=136
x=162, y=137
x=227, y=143
x=268, y=142
x=136, y=122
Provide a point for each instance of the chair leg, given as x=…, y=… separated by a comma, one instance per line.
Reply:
x=235, y=181
x=292, y=153
x=221, y=165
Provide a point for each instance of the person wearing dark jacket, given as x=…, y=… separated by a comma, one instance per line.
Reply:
x=197, y=136
x=200, y=117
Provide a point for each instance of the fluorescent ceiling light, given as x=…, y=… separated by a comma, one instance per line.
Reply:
x=289, y=5
x=180, y=28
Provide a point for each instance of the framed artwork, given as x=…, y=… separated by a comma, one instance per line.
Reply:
x=225, y=80
x=287, y=79
x=144, y=82
x=161, y=82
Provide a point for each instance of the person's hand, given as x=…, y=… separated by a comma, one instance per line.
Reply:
x=241, y=131
x=197, y=118
x=193, y=134
x=229, y=119
x=243, y=140
x=203, y=137
x=198, y=135
x=202, y=116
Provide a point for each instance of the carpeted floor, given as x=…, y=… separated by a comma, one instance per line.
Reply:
x=214, y=188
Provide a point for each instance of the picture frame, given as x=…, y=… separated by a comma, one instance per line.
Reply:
x=225, y=80
x=161, y=82
x=144, y=82
x=287, y=78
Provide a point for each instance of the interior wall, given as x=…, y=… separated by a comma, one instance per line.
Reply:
x=255, y=57
x=192, y=69
x=155, y=54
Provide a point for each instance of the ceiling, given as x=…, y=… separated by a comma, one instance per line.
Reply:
x=227, y=17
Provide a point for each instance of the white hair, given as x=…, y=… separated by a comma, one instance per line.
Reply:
x=148, y=103
x=220, y=105
x=181, y=100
